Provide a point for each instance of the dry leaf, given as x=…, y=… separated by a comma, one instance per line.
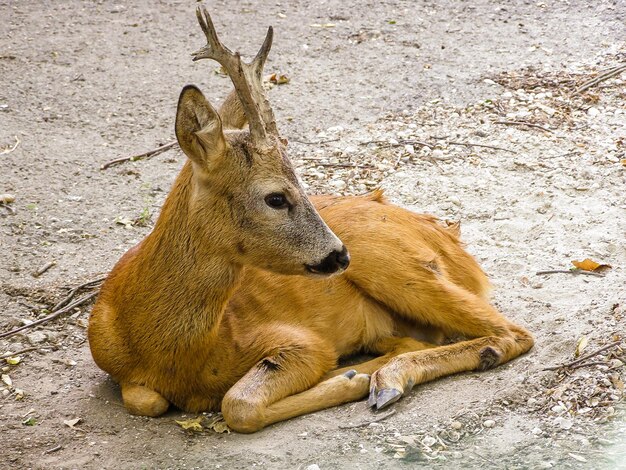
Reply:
x=72, y=422
x=7, y=380
x=218, y=425
x=623, y=161
x=590, y=265
x=15, y=360
x=617, y=382
x=279, y=79
x=194, y=424
x=580, y=347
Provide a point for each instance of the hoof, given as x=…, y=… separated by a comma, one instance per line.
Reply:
x=489, y=358
x=386, y=397
x=371, y=401
x=351, y=373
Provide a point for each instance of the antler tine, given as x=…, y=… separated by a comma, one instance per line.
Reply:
x=241, y=74
x=259, y=60
x=257, y=65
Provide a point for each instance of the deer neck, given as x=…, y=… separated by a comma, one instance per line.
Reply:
x=192, y=277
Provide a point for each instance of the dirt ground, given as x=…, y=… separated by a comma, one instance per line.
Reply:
x=417, y=97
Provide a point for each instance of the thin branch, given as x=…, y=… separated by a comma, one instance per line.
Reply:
x=588, y=356
x=469, y=144
x=70, y=296
x=569, y=271
x=344, y=165
x=10, y=148
x=367, y=423
x=150, y=153
x=600, y=78
x=320, y=142
x=524, y=123
x=44, y=268
x=61, y=308
x=23, y=351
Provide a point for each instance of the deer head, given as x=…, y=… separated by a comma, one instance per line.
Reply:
x=245, y=192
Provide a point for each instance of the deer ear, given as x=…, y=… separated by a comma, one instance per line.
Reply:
x=198, y=127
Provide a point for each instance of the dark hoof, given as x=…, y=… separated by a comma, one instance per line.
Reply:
x=489, y=358
x=409, y=386
x=386, y=397
x=371, y=401
x=351, y=373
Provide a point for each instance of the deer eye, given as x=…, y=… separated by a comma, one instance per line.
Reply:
x=276, y=201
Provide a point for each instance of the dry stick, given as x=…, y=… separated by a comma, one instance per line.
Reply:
x=569, y=271
x=588, y=356
x=367, y=423
x=54, y=449
x=52, y=316
x=23, y=351
x=8, y=208
x=600, y=78
x=596, y=363
x=44, y=268
x=150, y=153
x=10, y=149
x=524, y=123
x=320, y=142
x=70, y=296
x=469, y=144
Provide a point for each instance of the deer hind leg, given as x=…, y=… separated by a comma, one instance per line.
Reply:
x=142, y=401
x=278, y=387
x=427, y=297
x=389, y=348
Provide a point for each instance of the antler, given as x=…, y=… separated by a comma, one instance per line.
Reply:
x=246, y=77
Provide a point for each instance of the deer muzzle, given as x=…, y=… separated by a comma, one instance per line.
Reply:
x=337, y=261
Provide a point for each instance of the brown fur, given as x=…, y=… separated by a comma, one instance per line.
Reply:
x=215, y=309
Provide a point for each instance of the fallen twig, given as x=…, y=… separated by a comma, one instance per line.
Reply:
x=584, y=358
x=612, y=72
x=54, y=449
x=52, y=316
x=70, y=296
x=17, y=353
x=344, y=165
x=367, y=423
x=10, y=148
x=569, y=271
x=7, y=207
x=60, y=308
x=150, y=153
x=319, y=142
x=524, y=123
x=469, y=144
x=44, y=268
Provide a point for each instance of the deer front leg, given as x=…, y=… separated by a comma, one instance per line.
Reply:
x=142, y=401
x=284, y=384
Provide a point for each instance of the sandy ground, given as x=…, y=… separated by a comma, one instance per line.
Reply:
x=83, y=83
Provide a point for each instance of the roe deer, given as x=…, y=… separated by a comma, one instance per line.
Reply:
x=240, y=300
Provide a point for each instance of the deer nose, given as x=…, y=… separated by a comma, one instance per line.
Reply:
x=337, y=260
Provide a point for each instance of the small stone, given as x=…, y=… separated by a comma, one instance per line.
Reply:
x=531, y=402
x=36, y=337
x=537, y=431
x=429, y=441
x=456, y=425
x=313, y=466
x=489, y=423
x=563, y=423
x=337, y=184
x=558, y=409
x=438, y=154
x=593, y=112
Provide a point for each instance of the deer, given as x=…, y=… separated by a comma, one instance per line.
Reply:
x=247, y=293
